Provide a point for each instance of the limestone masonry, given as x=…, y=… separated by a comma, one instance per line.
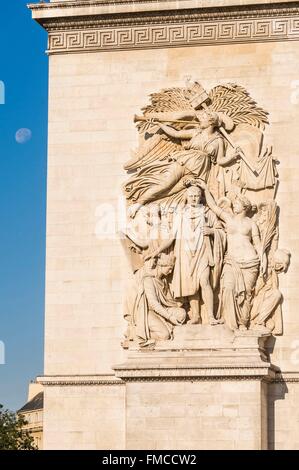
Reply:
x=172, y=225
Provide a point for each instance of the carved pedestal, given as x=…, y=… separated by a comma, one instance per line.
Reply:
x=209, y=391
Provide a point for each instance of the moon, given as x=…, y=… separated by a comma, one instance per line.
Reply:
x=23, y=135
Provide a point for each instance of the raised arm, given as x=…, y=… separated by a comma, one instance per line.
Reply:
x=184, y=134
x=212, y=204
x=163, y=247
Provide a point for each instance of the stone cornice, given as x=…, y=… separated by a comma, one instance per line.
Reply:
x=287, y=377
x=87, y=26
x=78, y=380
x=172, y=17
x=253, y=372
x=146, y=372
x=147, y=4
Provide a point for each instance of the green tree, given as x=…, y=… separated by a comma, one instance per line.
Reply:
x=12, y=434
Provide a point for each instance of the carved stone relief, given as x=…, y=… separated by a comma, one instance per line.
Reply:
x=202, y=232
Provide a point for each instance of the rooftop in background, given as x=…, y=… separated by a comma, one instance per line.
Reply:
x=36, y=403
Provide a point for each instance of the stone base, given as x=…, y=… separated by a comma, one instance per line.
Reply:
x=203, y=345
x=207, y=389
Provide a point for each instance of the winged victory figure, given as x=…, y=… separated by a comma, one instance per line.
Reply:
x=187, y=133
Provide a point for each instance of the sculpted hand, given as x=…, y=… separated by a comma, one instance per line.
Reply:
x=237, y=153
x=173, y=319
x=202, y=184
x=152, y=255
x=154, y=120
x=207, y=231
x=135, y=249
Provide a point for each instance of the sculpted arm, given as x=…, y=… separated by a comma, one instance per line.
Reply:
x=184, y=134
x=135, y=239
x=213, y=206
x=256, y=240
x=164, y=246
x=222, y=159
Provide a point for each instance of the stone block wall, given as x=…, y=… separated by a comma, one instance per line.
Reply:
x=93, y=96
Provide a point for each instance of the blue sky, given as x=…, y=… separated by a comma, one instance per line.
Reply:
x=24, y=72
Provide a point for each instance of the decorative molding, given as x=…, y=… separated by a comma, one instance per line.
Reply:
x=84, y=3
x=180, y=4
x=287, y=377
x=115, y=30
x=129, y=372
x=286, y=380
x=94, y=21
x=79, y=380
x=251, y=372
x=205, y=33
x=225, y=378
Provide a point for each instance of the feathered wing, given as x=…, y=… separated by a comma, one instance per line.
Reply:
x=167, y=100
x=155, y=149
x=268, y=232
x=271, y=227
x=236, y=102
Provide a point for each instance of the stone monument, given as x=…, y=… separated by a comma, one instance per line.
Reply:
x=171, y=286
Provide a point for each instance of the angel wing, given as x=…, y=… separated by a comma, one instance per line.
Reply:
x=167, y=100
x=155, y=149
x=270, y=228
x=235, y=101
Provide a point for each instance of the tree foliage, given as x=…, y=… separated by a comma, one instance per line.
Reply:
x=12, y=434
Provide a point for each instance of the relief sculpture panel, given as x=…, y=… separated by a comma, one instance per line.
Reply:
x=202, y=232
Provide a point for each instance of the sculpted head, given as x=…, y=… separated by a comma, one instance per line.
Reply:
x=194, y=195
x=241, y=204
x=165, y=264
x=281, y=261
x=209, y=119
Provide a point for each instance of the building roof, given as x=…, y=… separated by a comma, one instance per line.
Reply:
x=36, y=403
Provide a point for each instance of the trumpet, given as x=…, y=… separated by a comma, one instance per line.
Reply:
x=175, y=121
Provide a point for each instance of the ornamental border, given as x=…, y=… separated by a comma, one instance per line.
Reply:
x=175, y=35
x=261, y=377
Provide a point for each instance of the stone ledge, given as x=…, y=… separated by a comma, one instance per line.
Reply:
x=287, y=377
x=201, y=352
x=212, y=372
x=131, y=371
x=78, y=380
x=79, y=7
x=205, y=344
